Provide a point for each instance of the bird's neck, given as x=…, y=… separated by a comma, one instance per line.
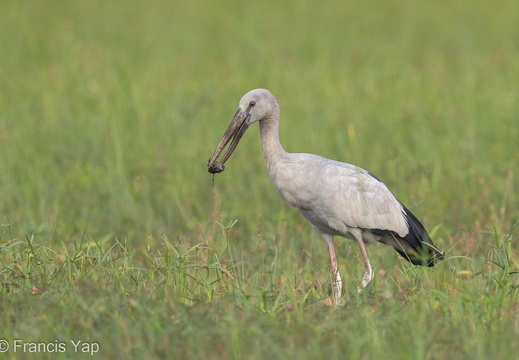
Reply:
x=273, y=152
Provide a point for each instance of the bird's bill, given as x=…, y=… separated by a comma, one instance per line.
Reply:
x=234, y=131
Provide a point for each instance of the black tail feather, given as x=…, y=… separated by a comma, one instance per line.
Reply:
x=416, y=247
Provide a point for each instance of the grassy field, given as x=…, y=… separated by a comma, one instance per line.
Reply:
x=112, y=234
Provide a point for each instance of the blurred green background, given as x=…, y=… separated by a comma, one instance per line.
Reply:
x=109, y=111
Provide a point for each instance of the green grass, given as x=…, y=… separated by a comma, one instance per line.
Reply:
x=112, y=233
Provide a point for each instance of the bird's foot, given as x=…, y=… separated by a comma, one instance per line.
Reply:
x=368, y=276
x=334, y=301
x=336, y=291
x=328, y=301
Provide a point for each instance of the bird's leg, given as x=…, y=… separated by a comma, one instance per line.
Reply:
x=368, y=275
x=337, y=281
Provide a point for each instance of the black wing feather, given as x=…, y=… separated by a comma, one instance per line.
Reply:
x=416, y=247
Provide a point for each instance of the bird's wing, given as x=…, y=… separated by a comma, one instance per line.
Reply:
x=359, y=199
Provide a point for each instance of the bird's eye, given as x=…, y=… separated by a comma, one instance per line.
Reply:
x=252, y=103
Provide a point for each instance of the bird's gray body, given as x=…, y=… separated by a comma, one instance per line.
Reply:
x=338, y=199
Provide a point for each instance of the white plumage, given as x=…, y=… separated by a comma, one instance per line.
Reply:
x=336, y=198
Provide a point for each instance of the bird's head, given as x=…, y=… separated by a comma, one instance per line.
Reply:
x=256, y=105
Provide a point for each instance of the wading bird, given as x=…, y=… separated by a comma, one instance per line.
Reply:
x=338, y=199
